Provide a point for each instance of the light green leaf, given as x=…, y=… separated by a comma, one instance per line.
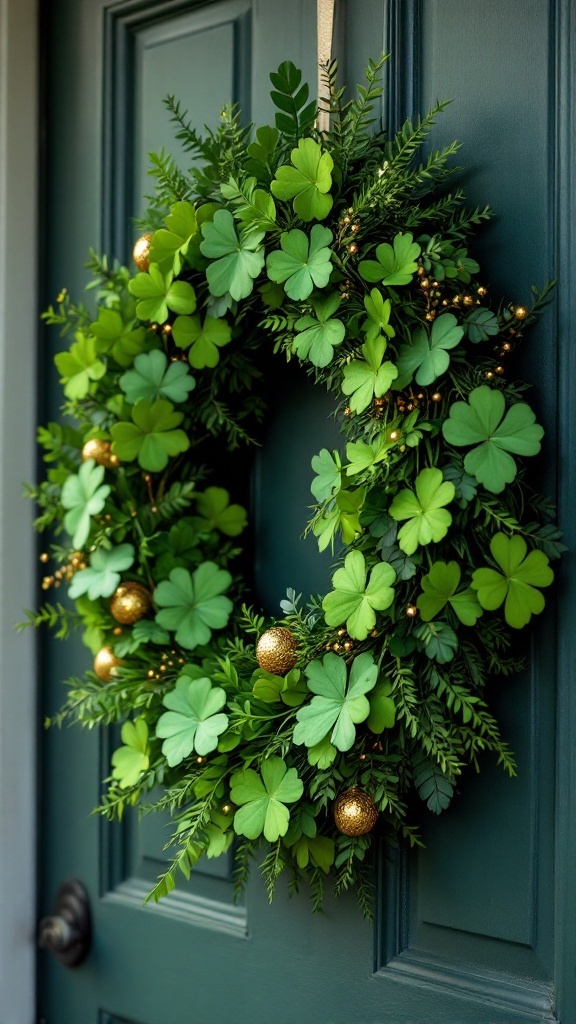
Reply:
x=130, y=760
x=344, y=517
x=158, y=292
x=152, y=437
x=193, y=605
x=308, y=182
x=382, y=707
x=328, y=481
x=80, y=367
x=337, y=706
x=368, y=378
x=353, y=600
x=317, y=337
x=217, y=514
x=482, y=423
x=301, y=264
x=170, y=244
x=153, y=377
x=438, y=640
x=122, y=341
x=238, y=260
x=319, y=849
x=205, y=338
x=377, y=321
x=192, y=721
x=103, y=575
x=322, y=754
x=428, y=520
x=395, y=264
x=515, y=586
x=262, y=799
x=84, y=495
x=440, y=586
x=427, y=356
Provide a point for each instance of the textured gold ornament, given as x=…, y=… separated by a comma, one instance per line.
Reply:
x=277, y=651
x=355, y=813
x=130, y=602
x=101, y=452
x=141, y=252
x=104, y=664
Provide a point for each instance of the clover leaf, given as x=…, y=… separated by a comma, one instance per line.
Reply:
x=367, y=378
x=515, y=586
x=159, y=292
x=113, y=336
x=482, y=423
x=438, y=640
x=301, y=264
x=329, y=479
x=378, y=310
x=322, y=754
x=177, y=548
x=205, y=338
x=382, y=707
x=394, y=265
x=262, y=799
x=152, y=437
x=192, y=605
x=290, y=689
x=79, y=367
x=237, y=259
x=428, y=520
x=307, y=182
x=427, y=356
x=217, y=514
x=103, y=575
x=355, y=601
x=440, y=586
x=153, y=377
x=319, y=849
x=83, y=495
x=130, y=760
x=192, y=721
x=344, y=517
x=170, y=244
x=317, y=337
x=337, y=707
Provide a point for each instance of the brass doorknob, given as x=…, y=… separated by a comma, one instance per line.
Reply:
x=67, y=933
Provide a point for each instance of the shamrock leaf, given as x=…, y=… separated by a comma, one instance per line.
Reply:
x=307, y=182
x=318, y=337
x=382, y=707
x=344, y=517
x=290, y=689
x=192, y=721
x=103, y=575
x=378, y=311
x=159, y=292
x=329, y=479
x=395, y=265
x=170, y=244
x=515, y=586
x=438, y=640
x=193, y=605
x=83, y=495
x=337, y=707
x=370, y=377
x=301, y=264
x=217, y=514
x=355, y=602
x=115, y=337
x=365, y=456
x=319, y=849
x=133, y=758
x=262, y=799
x=440, y=586
x=151, y=438
x=79, y=367
x=428, y=356
x=238, y=260
x=481, y=324
x=427, y=519
x=322, y=754
x=205, y=338
x=153, y=377
x=177, y=548
x=482, y=423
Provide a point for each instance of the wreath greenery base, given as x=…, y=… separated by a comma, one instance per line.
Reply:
x=307, y=734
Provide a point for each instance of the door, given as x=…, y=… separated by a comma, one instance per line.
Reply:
x=464, y=929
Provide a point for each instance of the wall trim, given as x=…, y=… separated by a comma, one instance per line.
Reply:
x=18, y=334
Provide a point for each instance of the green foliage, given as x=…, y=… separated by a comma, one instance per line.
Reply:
x=302, y=263
x=262, y=799
x=152, y=437
x=104, y=573
x=338, y=705
x=217, y=514
x=121, y=340
x=515, y=585
x=318, y=336
x=192, y=605
x=84, y=495
x=427, y=518
x=307, y=182
x=133, y=758
x=440, y=586
x=204, y=339
x=170, y=244
x=153, y=377
x=354, y=600
x=80, y=367
x=157, y=293
x=427, y=356
x=295, y=114
x=370, y=377
x=237, y=260
x=193, y=721
x=394, y=264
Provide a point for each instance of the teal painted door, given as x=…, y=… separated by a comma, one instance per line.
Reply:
x=464, y=930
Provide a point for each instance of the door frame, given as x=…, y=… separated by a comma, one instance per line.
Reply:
x=19, y=145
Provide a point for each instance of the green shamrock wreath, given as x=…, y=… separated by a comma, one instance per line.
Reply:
x=295, y=736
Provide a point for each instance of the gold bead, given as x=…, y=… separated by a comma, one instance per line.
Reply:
x=101, y=452
x=456, y=300
x=411, y=611
x=506, y=347
x=394, y=435
x=201, y=760
x=44, y=557
x=489, y=375
x=520, y=312
x=436, y=397
x=141, y=252
x=277, y=651
x=361, y=757
x=336, y=647
x=482, y=291
x=151, y=673
x=154, y=510
x=167, y=329
x=430, y=315
x=117, y=630
x=226, y=808
x=420, y=396
x=500, y=370
x=355, y=813
x=355, y=229
x=424, y=282
x=104, y=664
x=348, y=645
x=345, y=220
x=341, y=632
x=445, y=302
x=468, y=300
x=353, y=247
x=130, y=602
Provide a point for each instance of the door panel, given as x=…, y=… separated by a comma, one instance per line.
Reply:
x=463, y=930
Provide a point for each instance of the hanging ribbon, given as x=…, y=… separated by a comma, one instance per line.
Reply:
x=325, y=29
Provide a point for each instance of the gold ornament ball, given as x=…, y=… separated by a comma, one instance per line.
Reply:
x=411, y=611
x=277, y=651
x=436, y=397
x=520, y=312
x=104, y=664
x=101, y=452
x=130, y=602
x=355, y=813
x=141, y=252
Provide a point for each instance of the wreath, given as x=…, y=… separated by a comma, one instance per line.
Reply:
x=303, y=736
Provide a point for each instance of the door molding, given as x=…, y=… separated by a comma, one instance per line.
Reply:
x=18, y=334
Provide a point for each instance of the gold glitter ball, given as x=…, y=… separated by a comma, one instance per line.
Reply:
x=277, y=651
x=355, y=813
x=130, y=602
x=141, y=252
x=101, y=452
x=104, y=664
x=520, y=312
